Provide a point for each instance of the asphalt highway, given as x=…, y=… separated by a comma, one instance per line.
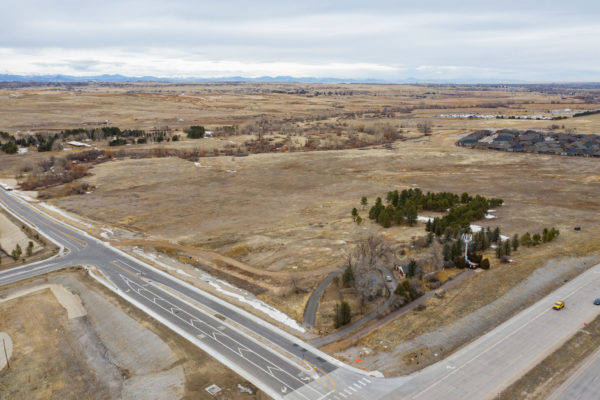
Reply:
x=479, y=370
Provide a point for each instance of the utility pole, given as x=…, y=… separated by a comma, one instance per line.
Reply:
x=5, y=353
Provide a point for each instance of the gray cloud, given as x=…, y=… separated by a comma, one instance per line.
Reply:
x=535, y=40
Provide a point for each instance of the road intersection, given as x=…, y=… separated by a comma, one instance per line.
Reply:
x=289, y=368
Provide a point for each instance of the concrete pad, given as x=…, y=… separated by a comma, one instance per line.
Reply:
x=69, y=301
x=166, y=385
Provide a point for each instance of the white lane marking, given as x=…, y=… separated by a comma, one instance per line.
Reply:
x=351, y=388
x=241, y=348
x=356, y=386
x=137, y=271
x=366, y=380
x=9, y=275
x=342, y=394
x=347, y=391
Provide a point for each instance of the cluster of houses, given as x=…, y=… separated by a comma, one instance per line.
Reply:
x=497, y=116
x=534, y=142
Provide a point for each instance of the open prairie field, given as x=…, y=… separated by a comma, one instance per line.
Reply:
x=284, y=213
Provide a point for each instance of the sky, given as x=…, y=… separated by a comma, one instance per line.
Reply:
x=526, y=40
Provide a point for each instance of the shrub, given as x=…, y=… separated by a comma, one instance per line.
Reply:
x=10, y=148
x=485, y=264
x=196, y=132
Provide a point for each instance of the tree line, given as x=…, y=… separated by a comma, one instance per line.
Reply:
x=403, y=208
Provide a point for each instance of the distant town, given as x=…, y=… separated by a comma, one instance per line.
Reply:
x=529, y=141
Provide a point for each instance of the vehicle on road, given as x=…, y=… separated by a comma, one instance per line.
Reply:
x=388, y=278
x=597, y=302
x=559, y=305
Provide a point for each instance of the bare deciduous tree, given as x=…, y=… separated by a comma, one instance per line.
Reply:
x=425, y=126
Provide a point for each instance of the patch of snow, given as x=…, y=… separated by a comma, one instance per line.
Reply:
x=244, y=389
x=231, y=171
x=262, y=307
x=504, y=237
x=475, y=228
x=490, y=216
x=239, y=294
x=491, y=211
x=424, y=219
x=22, y=150
x=106, y=232
x=57, y=210
x=78, y=144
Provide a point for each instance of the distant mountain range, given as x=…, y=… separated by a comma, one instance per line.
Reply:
x=121, y=78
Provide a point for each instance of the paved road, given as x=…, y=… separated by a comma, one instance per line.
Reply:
x=312, y=305
x=273, y=372
x=583, y=384
x=478, y=371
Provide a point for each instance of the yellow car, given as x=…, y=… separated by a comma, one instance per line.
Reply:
x=558, y=305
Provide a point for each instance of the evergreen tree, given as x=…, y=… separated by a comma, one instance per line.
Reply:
x=348, y=276
x=499, y=251
x=354, y=213
x=358, y=219
x=496, y=235
x=346, y=313
x=506, y=245
x=411, y=214
x=515, y=242
x=456, y=249
x=526, y=239
x=29, y=249
x=428, y=225
x=363, y=202
x=412, y=268
x=429, y=238
x=447, y=252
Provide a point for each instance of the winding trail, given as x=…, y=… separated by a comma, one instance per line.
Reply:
x=312, y=305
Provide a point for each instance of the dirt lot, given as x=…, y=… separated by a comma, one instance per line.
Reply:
x=115, y=351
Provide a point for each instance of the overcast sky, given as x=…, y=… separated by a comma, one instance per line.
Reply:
x=526, y=40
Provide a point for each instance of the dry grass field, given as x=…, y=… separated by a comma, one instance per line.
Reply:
x=288, y=212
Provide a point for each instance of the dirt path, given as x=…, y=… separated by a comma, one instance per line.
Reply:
x=214, y=259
